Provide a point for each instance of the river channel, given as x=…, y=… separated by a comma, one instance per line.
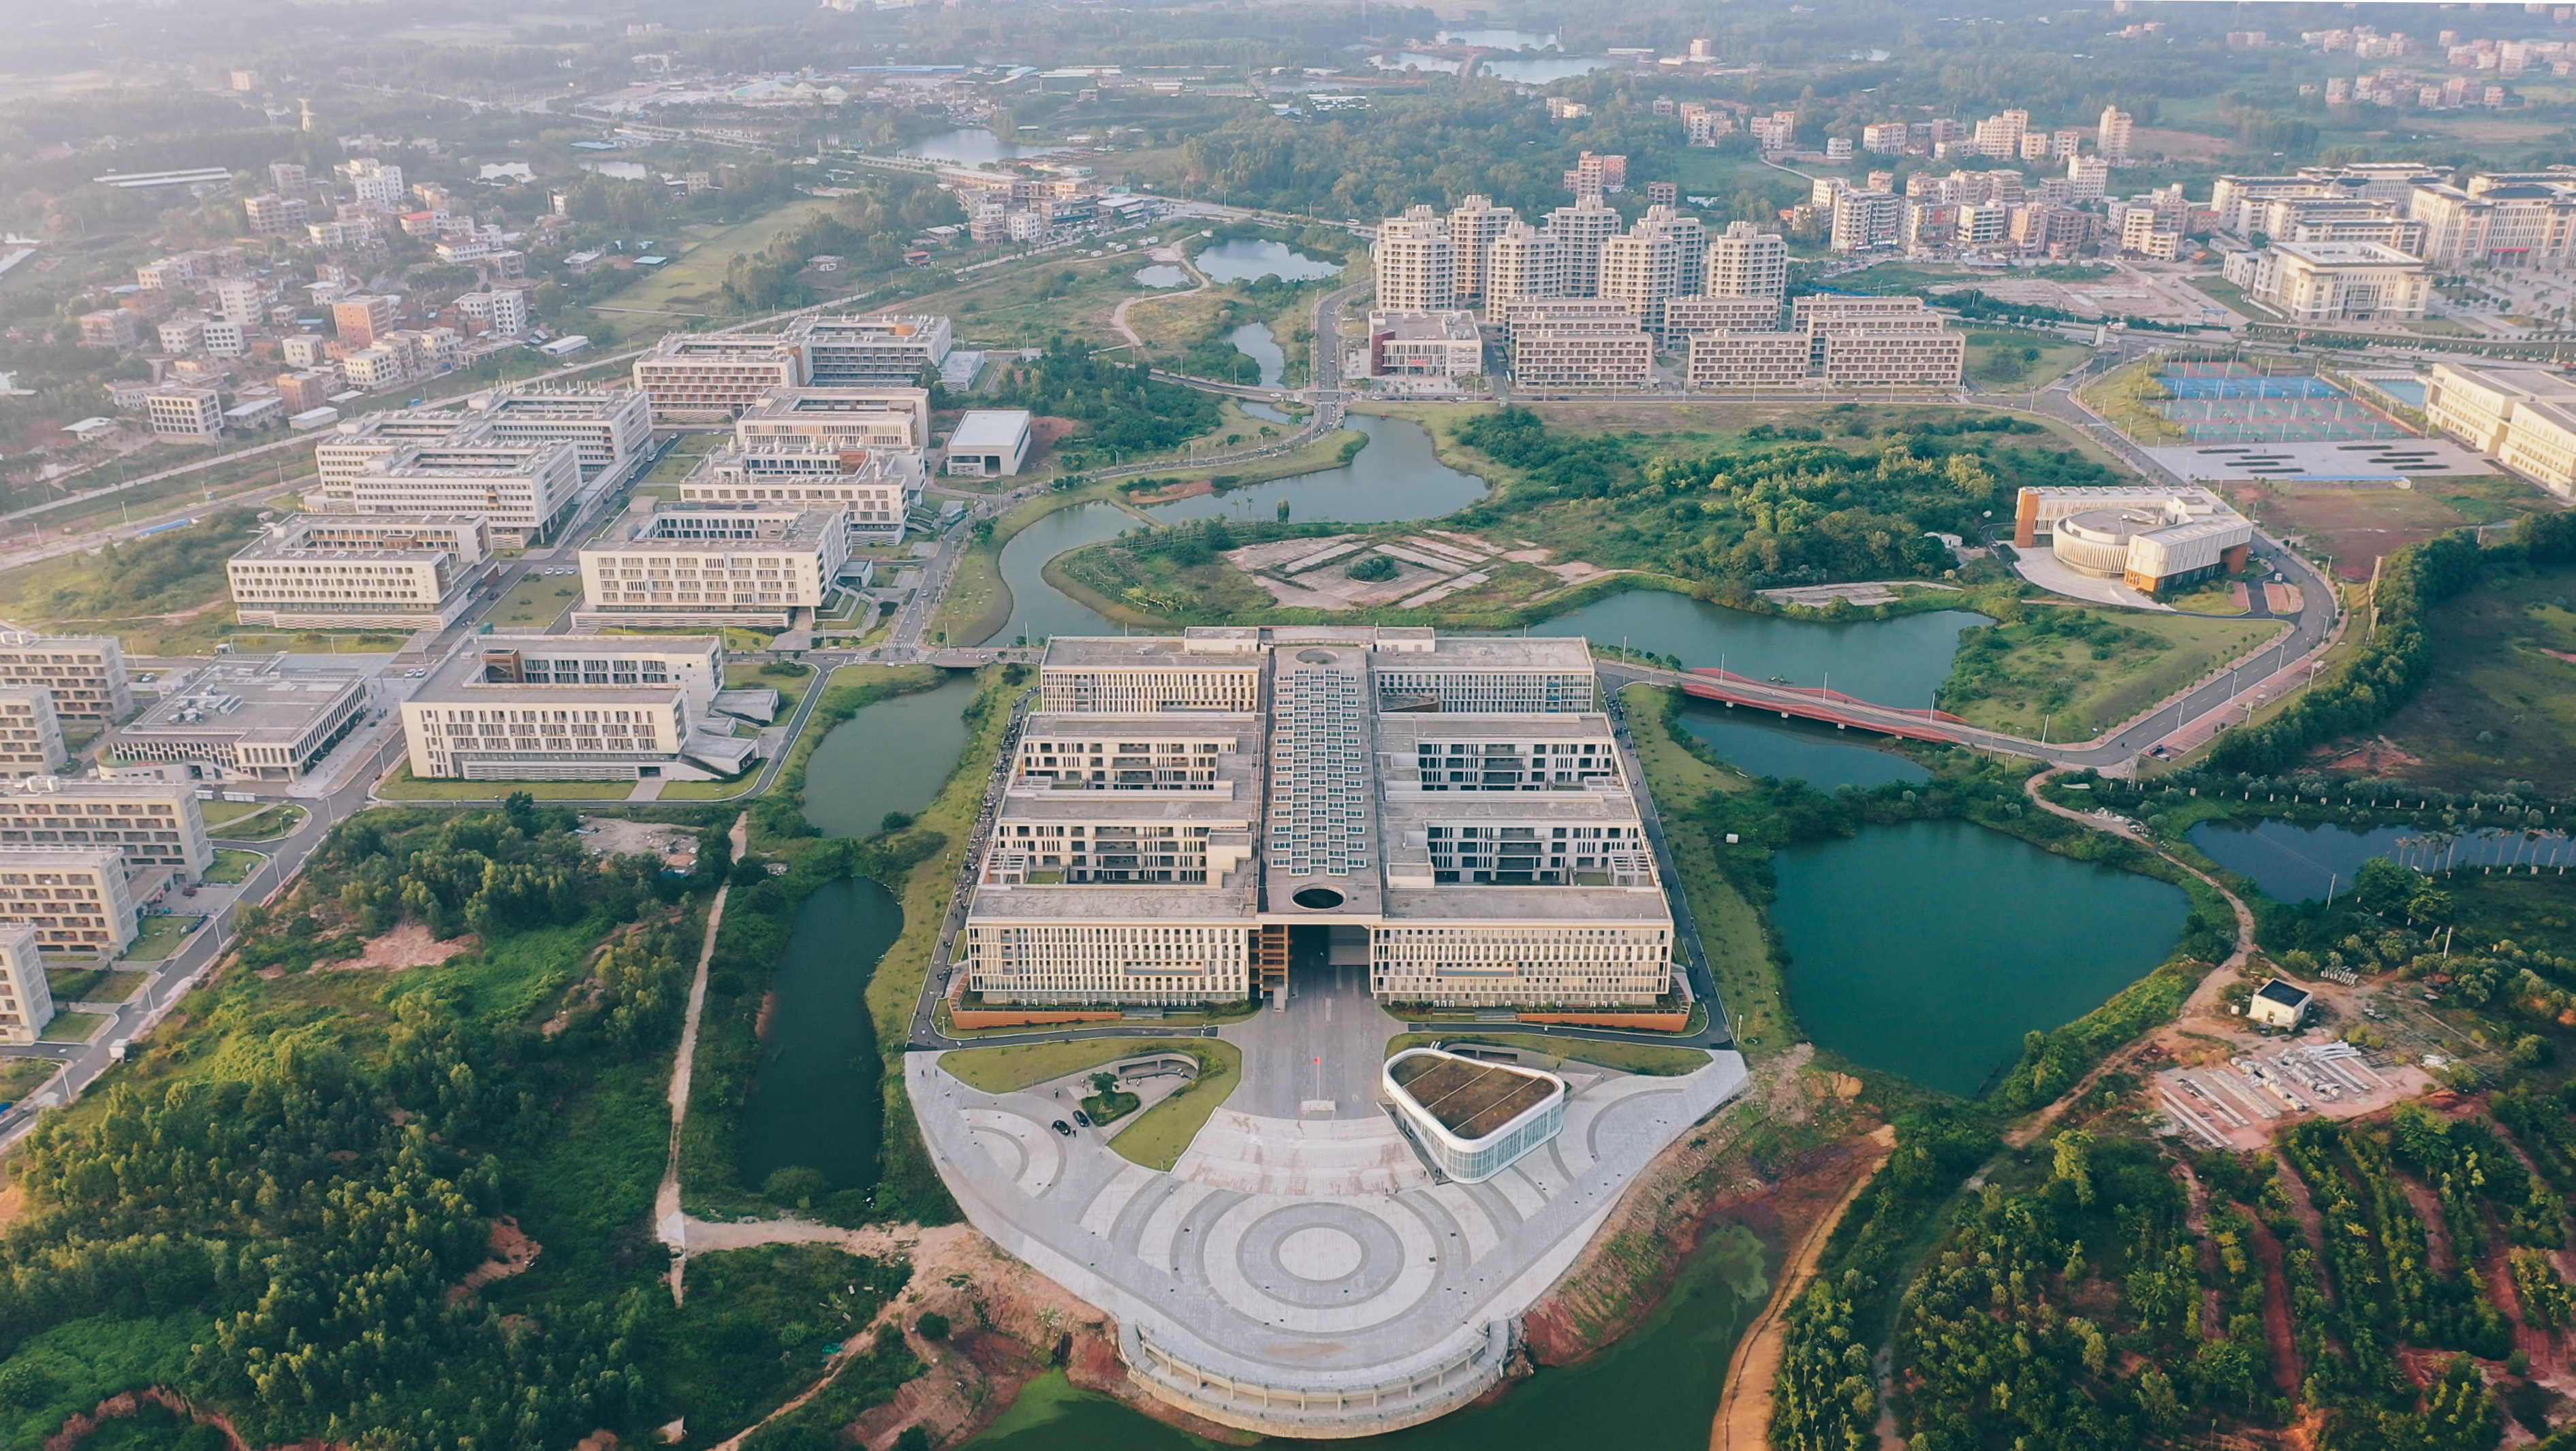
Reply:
x=1929, y=949
x=2297, y=861
x=1655, y=1390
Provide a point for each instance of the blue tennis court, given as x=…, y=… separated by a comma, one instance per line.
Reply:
x=2231, y=402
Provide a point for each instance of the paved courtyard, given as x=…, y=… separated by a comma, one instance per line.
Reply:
x=1301, y=1271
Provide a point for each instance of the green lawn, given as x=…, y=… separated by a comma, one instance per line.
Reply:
x=2021, y=362
x=1159, y=1138
x=160, y=935
x=536, y=602
x=251, y=821
x=2071, y=685
x=2501, y=703
x=691, y=285
x=73, y=1027
x=22, y=1076
x=232, y=867
x=709, y=790
x=403, y=786
x=2218, y=598
x=1008, y=1070
x=788, y=677
x=93, y=984
x=2228, y=295
x=1650, y=1059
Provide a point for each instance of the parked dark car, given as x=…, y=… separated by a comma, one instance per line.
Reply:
x=1060, y=1126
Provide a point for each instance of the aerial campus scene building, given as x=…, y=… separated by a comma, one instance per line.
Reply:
x=882, y=726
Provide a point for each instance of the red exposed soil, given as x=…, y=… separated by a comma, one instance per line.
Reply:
x=512, y=1253
x=2439, y=1252
x=2213, y=1315
x=2312, y=1223
x=2496, y=1268
x=131, y=1403
x=2287, y=1373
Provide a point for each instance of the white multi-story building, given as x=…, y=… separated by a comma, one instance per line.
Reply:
x=2333, y=281
x=1522, y=265
x=839, y=420
x=1474, y=224
x=241, y=719
x=611, y=428
x=1866, y=219
x=876, y=492
x=1690, y=316
x=1664, y=256
x=2115, y=135
x=523, y=491
x=1416, y=262
x=1725, y=361
x=875, y=350
x=718, y=375
x=31, y=735
x=26, y=998
x=1579, y=233
x=190, y=415
x=376, y=183
x=361, y=571
x=85, y=674
x=505, y=312
x=75, y=902
x=2524, y=418
x=1862, y=342
x=1452, y=814
x=707, y=566
x=154, y=824
x=2498, y=222
x=1746, y=262
x=574, y=708
x=1580, y=343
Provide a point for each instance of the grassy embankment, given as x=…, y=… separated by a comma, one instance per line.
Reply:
x=232, y=866
x=1749, y=981
x=2126, y=397
x=2044, y=675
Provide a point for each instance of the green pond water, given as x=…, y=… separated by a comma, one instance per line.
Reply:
x=1764, y=745
x=815, y=1099
x=1655, y=1390
x=1929, y=949
x=891, y=756
x=1897, y=662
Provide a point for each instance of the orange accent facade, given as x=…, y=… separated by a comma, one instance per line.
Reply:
x=1641, y=1022
x=2026, y=520
x=1014, y=1018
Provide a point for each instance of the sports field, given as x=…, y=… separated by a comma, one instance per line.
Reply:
x=2239, y=403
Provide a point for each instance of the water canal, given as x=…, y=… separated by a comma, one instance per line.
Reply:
x=1825, y=758
x=1968, y=939
x=1395, y=478
x=1897, y=662
x=2299, y=861
x=1655, y=1389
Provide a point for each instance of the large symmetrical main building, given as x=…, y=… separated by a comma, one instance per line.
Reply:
x=1184, y=816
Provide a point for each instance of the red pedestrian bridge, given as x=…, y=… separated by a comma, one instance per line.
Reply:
x=1806, y=702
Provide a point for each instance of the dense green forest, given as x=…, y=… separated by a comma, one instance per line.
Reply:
x=1124, y=410
x=270, y=1209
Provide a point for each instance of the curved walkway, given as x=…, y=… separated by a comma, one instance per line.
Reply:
x=1118, y=315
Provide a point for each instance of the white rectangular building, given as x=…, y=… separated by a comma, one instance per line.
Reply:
x=1425, y=345
x=31, y=735
x=85, y=674
x=876, y=491
x=718, y=375
x=706, y=566
x=26, y=998
x=75, y=901
x=574, y=708
x=1728, y=360
x=2523, y=418
x=188, y=415
x=361, y=571
x=839, y=420
x=2333, y=281
x=523, y=491
x=610, y=427
x=1186, y=818
x=989, y=442
x=153, y=823
x=242, y=719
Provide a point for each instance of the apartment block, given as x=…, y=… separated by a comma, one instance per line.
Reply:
x=2524, y=418
x=1727, y=360
x=873, y=351
x=1745, y=262
x=1474, y=226
x=276, y=216
x=1686, y=317
x=241, y=719
x=1880, y=341
x=360, y=320
x=692, y=375
x=574, y=708
x=26, y=998
x=2333, y=281
x=1451, y=814
x=112, y=327
x=361, y=571
x=1864, y=220
x=31, y=734
x=85, y=674
x=1579, y=232
x=839, y=420
x=707, y=566
x=189, y=415
x=1554, y=355
x=523, y=491
x=1416, y=263
x=1664, y=256
x=611, y=428
x=75, y=903
x=151, y=823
